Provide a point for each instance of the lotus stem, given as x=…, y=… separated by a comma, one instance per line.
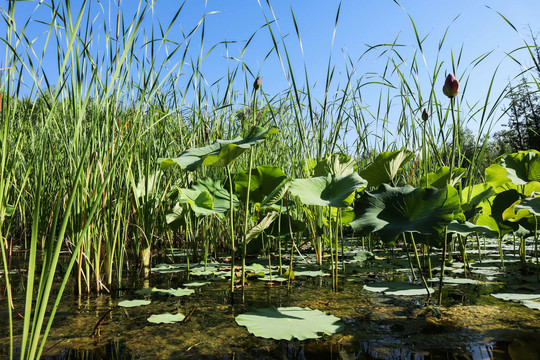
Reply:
x=231, y=225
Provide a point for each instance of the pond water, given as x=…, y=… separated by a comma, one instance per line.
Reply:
x=471, y=324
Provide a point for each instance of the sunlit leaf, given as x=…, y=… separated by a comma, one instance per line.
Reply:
x=440, y=178
x=166, y=318
x=286, y=323
x=220, y=153
x=329, y=190
x=385, y=167
x=395, y=210
x=335, y=164
x=264, y=180
x=133, y=303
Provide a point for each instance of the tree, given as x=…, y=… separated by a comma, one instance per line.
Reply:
x=523, y=111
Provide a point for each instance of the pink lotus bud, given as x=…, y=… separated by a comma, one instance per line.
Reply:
x=425, y=114
x=257, y=83
x=451, y=86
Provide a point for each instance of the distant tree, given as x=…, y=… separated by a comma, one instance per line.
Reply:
x=523, y=128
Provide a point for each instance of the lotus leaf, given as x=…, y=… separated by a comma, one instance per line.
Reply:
x=397, y=288
x=220, y=195
x=166, y=318
x=518, y=168
x=395, y=210
x=261, y=226
x=196, y=283
x=174, y=292
x=439, y=179
x=133, y=303
x=264, y=179
x=169, y=268
x=220, y=153
x=329, y=190
x=336, y=164
x=286, y=323
x=468, y=228
x=201, y=202
x=385, y=167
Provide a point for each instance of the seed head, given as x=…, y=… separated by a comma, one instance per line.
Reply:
x=257, y=83
x=451, y=86
x=425, y=114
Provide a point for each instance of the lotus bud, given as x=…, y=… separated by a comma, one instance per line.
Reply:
x=257, y=83
x=425, y=114
x=451, y=86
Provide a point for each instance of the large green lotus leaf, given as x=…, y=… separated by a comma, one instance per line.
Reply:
x=527, y=190
x=522, y=167
x=475, y=197
x=516, y=212
x=468, y=228
x=336, y=164
x=329, y=190
x=264, y=179
x=518, y=168
x=501, y=202
x=219, y=194
x=488, y=221
x=201, y=202
x=532, y=205
x=220, y=153
x=496, y=175
x=166, y=318
x=286, y=323
x=398, y=288
x=277, y=194
x=385, y=167
x=133, y=303
x=440, y=178
x=395, y=210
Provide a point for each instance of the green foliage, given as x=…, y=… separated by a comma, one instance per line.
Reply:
x=287, y=323
x=391, y=211
x=441, y=177
x=264, y=180
x=329, y=190
x=220, y=153
x=385, y=167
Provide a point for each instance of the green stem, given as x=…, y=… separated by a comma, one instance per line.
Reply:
x=231, y=225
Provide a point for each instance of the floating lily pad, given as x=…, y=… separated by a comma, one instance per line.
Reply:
x=174, y=292
x=169, y=268
x=397, y=288
x=133, y=303
x=274, y=279
x=286, y=323
x=196, y=283
x=455, y=281
x=517, y=297
x=166, y=318
x=308, y=273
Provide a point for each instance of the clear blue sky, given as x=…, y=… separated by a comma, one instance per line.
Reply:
x=471, y=24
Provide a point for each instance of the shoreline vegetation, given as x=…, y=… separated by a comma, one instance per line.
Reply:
x=112, y=164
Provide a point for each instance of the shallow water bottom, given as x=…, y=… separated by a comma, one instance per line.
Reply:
x=471, y=324
x=377, y=326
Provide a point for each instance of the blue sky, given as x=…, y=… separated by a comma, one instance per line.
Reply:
x=471, y=25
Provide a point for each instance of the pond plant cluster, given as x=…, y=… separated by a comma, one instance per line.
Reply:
x=91, y=189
